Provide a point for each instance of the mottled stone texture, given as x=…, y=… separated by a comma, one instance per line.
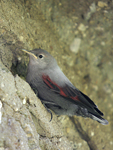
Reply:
x=24, y=119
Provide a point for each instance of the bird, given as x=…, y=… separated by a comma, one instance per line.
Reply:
x=55, y=90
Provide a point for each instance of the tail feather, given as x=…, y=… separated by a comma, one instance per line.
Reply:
x=99, y=119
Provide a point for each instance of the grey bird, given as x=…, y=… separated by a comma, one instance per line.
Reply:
x=55, y=90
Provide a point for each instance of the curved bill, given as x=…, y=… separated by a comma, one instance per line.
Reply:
x=28, y=52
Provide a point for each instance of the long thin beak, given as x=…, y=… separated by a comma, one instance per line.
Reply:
x=30, y=53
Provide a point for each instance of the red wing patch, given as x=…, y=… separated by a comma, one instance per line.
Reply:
x=63, y=91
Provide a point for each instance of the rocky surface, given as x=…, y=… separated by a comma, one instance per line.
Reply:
x=23, y=119
x=79, y=35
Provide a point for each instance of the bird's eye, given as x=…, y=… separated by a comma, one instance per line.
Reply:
x=40, y=56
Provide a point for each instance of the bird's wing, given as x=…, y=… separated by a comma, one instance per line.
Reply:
x=72, y=94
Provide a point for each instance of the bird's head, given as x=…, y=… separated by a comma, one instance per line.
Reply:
x=40, y=59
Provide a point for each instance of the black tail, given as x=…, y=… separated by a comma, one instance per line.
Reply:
x=99, y=119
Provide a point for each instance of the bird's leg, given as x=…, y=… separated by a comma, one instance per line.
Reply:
x=48, y=111
x=35, y=91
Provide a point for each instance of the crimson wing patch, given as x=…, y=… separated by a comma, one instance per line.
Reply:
x=66, y=91
x=72, y=94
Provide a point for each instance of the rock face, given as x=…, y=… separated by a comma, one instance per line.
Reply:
x=55, y=26
x=23, y=119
